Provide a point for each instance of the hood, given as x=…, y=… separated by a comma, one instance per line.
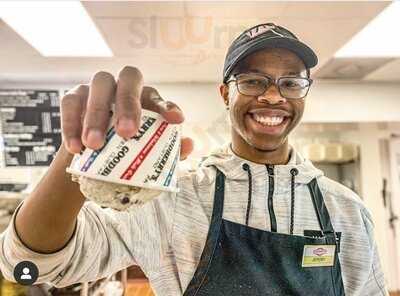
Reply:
x=232, y=166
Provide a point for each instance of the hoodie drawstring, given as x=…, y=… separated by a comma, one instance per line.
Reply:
x=246, y=167
x=293, y=172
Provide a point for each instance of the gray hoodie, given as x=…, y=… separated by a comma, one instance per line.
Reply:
x=166, y=236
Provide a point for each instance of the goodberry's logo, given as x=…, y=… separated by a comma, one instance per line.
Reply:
x=320, y=251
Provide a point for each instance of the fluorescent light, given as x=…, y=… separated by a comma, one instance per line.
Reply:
x=378, y=39
x=55, y=28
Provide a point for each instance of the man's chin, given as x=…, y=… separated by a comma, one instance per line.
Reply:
x=267, y=146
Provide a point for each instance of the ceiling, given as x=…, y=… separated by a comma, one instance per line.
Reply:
x=186, y=41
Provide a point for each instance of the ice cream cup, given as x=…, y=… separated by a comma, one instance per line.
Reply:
x=147, y=160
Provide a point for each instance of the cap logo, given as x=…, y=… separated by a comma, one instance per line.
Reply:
x=254, y=32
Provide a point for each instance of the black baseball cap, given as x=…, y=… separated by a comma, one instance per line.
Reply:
x=263, y=36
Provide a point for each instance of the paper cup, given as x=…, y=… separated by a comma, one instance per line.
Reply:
x=147, y=160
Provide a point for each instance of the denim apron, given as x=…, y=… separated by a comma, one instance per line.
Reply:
x=241, y=260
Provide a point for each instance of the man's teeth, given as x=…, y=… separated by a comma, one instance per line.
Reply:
x=266, y=120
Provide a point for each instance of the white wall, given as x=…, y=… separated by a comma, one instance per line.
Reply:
x=353, y=102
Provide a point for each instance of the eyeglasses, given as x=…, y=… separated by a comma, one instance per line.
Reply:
x=251, y=84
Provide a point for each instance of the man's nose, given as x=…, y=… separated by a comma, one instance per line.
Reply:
x=271, y=96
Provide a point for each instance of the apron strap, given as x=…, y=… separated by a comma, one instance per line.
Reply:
x=219, y=195
x=212, y=236
x=320, y=208
x=327, y=230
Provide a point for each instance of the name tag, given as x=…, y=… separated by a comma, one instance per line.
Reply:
x=318, y=255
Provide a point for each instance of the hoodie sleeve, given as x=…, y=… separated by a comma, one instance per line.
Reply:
x=104, y=242
x=375, y=284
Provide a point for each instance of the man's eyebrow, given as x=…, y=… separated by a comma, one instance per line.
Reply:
x=294, y=73
x=263, y=73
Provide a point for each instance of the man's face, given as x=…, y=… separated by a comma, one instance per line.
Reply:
x=265, y=121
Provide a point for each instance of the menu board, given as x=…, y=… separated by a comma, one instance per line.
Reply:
x=30, y=128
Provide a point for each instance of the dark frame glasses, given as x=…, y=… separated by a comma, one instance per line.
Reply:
x=255, y=84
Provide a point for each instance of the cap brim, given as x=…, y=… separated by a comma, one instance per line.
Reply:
x=305, y=53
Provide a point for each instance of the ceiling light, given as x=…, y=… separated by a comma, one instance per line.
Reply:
x=55, y=28
x=376, y=39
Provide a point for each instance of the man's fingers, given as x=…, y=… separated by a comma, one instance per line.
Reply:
x=72, y=106
x=187, y=146
x=151, y=100
x=97, y=116
x=127, y=102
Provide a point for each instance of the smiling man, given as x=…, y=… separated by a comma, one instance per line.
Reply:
x=256, y=218
x=263, y=125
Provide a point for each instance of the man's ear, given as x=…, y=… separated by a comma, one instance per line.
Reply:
x=224, y=91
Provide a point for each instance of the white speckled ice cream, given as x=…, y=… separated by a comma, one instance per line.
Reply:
x=125, y=173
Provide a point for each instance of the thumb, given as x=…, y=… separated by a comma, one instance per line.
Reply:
x=187, y=146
